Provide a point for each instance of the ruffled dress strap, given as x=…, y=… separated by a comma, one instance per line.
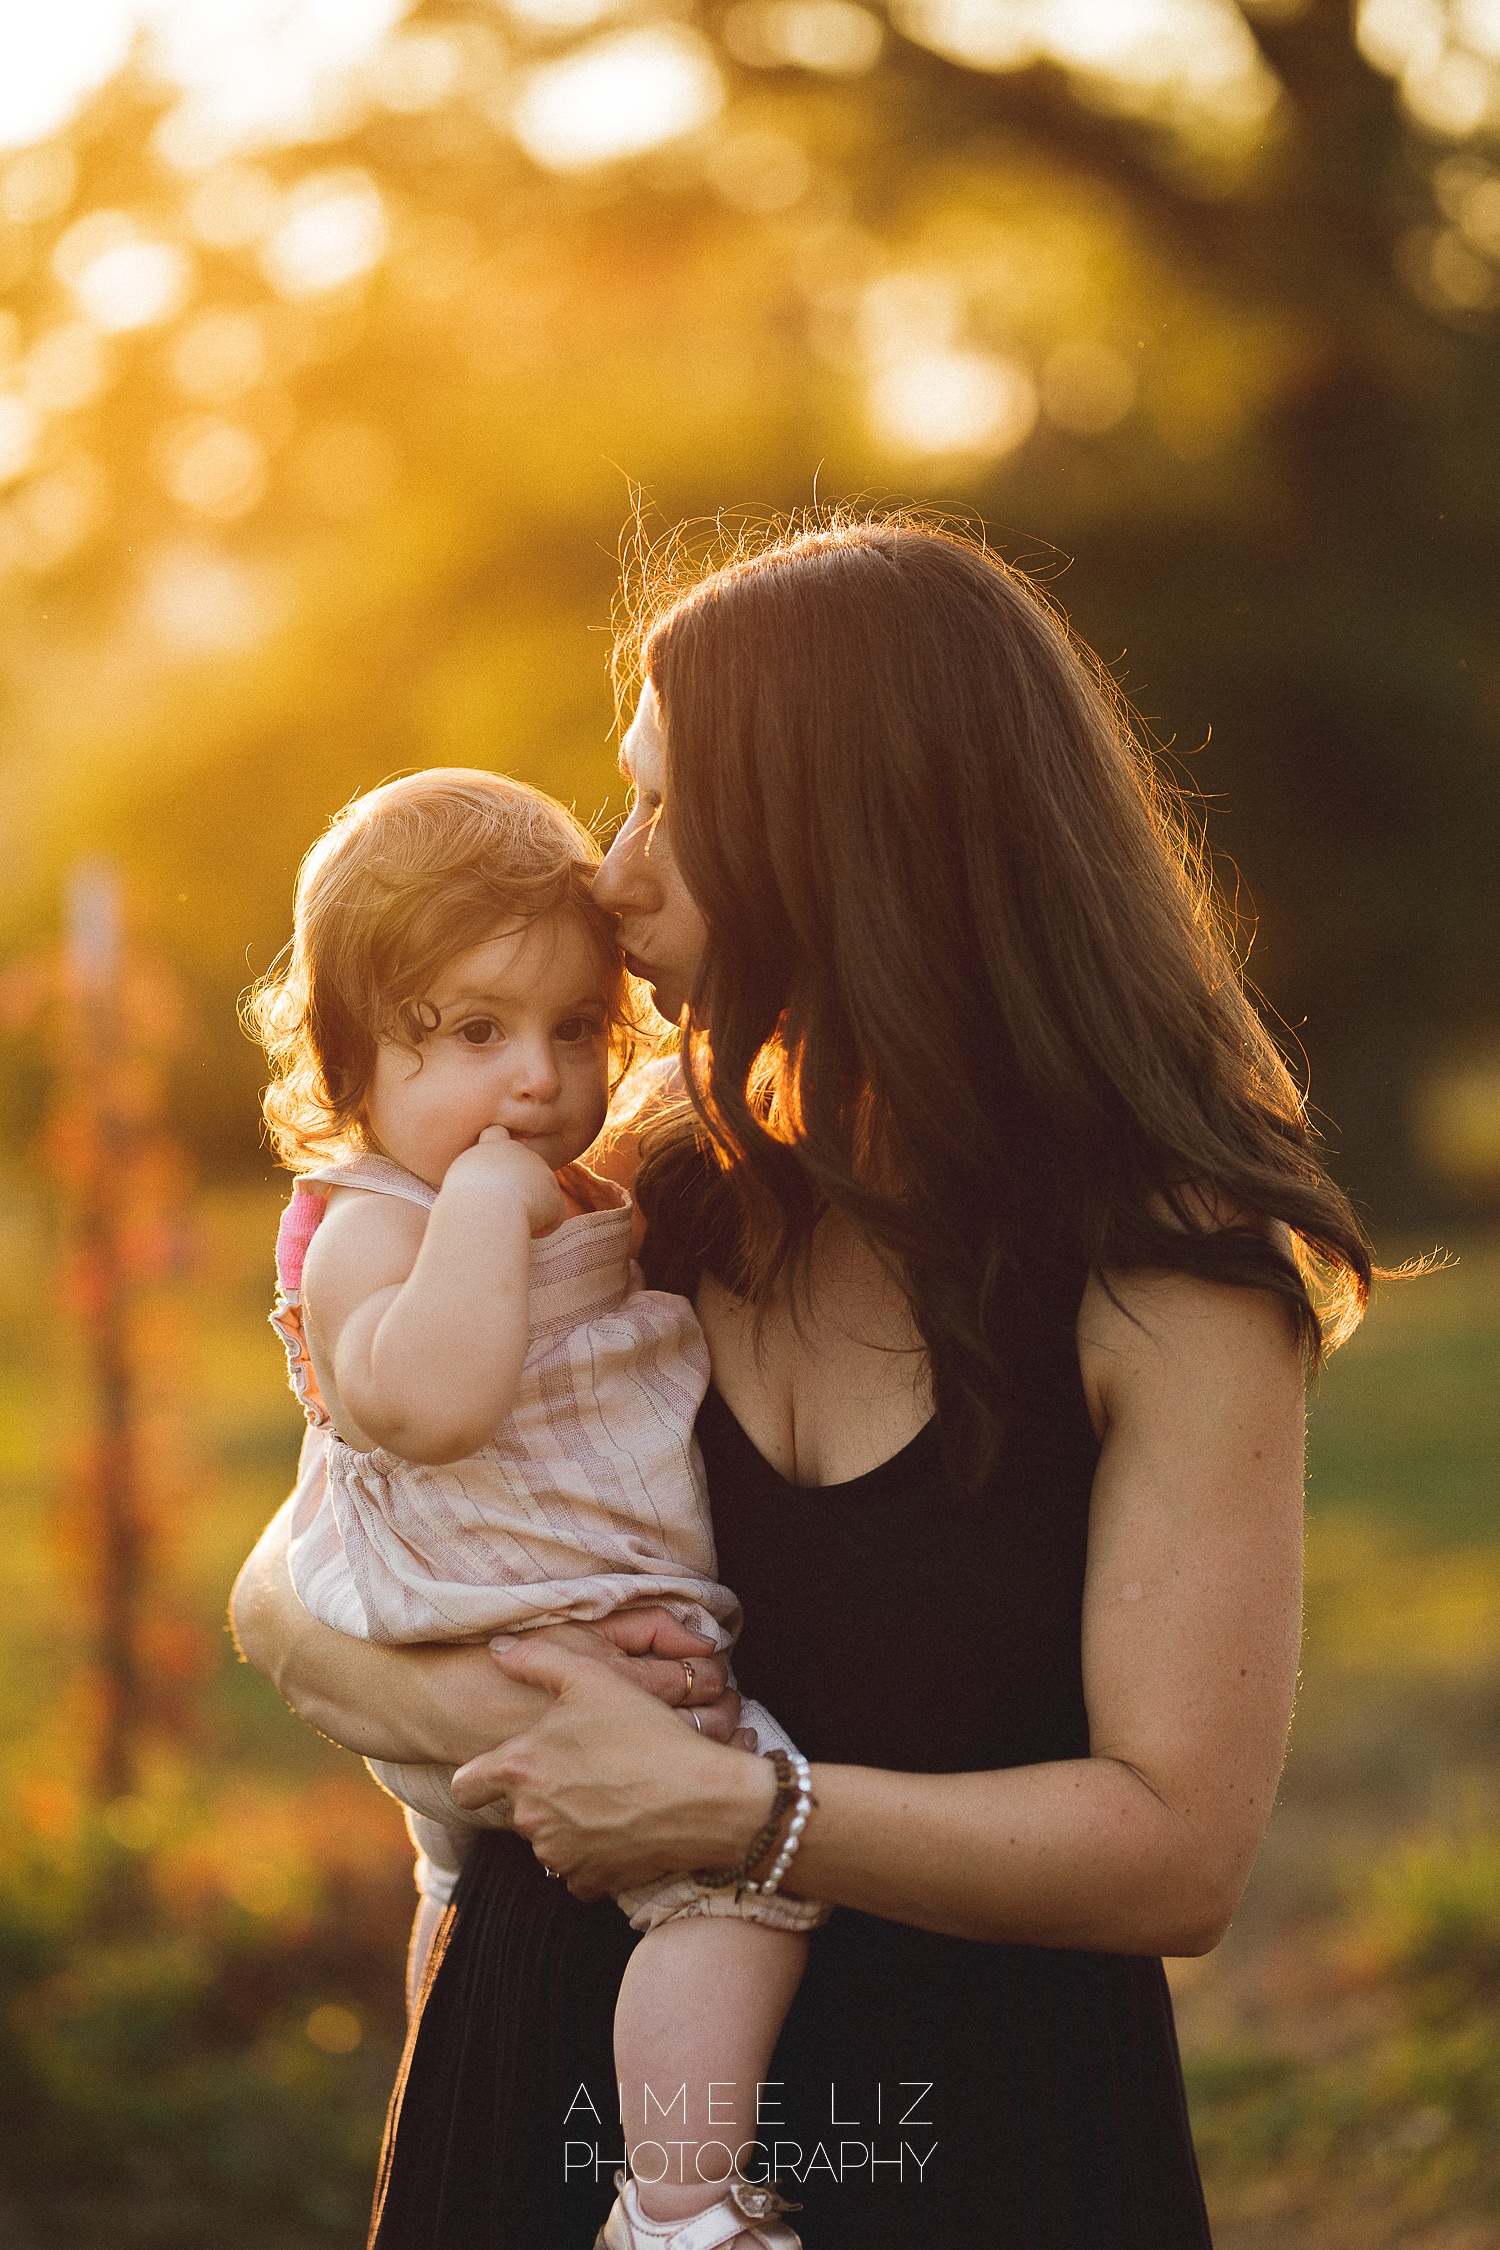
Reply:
x=299, y=1223
x=378, y=1174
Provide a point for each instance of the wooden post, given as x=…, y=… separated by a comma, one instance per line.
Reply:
x=94, y=950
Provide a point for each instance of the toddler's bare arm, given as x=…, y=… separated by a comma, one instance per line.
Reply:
x=417, y=1322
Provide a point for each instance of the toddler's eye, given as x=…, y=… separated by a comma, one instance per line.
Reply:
x=574, y=1030
x=479, y=1031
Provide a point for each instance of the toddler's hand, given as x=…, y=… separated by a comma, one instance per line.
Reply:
x=504, y=1162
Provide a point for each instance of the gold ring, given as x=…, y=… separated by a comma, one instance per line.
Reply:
x=691, y=1675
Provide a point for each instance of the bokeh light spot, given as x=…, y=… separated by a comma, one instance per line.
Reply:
x=20, y=428
x=215, y=468
x=953, y=402
x=1460, y=276
x=1452, y=98
x=201, y=602
x=1477, y=23
x=333, y=230
x=1194, y=63
x=1401, y=35
x=336, y=2030
x=63, y=510
x=1443, y=56
x=120, y=278
x=51, y=57
x=38, y=184
x=66, y=368
x=1445, y=272
x=415, y=71
x=1457, y=1119
x=972, y=31
x=563, y=15
x=904, y=313
x=258, y=72
x=1479, y=216
x=134, y=286
x=261, y=1888
x=827, y=35
x=618, y=97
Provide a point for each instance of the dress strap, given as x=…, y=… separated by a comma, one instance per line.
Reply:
x=378, y=1174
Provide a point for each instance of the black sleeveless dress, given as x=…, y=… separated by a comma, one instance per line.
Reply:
x=933, y=2093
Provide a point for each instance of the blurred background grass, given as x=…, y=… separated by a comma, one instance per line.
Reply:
x=336, y=343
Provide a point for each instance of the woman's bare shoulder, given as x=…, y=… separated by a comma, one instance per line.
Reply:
x=1167, y=1340
x=1161, y=1307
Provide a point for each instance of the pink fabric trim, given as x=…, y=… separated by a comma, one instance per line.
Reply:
x=299, y=1223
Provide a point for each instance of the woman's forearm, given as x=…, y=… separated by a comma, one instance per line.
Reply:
x=425, y=1705
x=1080, y=1853
x=1083, y=1852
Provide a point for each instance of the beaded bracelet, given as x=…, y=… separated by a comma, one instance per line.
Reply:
x=787, y=1788
x=788, y=1851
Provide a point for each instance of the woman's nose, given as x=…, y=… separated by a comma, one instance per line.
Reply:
x=623, y=882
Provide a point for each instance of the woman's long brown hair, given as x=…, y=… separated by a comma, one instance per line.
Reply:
x=964, y=977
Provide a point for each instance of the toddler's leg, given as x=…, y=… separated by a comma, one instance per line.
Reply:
x=700, y=2010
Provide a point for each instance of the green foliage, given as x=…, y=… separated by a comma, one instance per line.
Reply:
x=1430, y=1913
x=1394, y=2128
x=1342, y=2049
x=163, y=1958
x=1404, y=1421
x=157, y=2077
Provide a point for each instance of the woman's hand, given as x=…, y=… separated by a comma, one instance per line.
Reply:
x=605, y=1787
x=652, y=1650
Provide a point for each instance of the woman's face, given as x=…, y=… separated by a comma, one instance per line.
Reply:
x=661, y=929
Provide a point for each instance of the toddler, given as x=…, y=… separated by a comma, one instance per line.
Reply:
x=508, y=1411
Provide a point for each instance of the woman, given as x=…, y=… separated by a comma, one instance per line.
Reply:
x=998, y=1210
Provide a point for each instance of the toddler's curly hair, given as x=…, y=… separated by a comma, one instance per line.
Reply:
x=404, y=880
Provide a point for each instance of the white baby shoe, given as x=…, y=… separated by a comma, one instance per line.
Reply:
x=744, y=2213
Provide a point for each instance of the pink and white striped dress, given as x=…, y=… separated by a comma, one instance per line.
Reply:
x=589, y=1499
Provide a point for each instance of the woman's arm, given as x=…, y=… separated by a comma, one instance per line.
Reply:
x=425, y=1705
x=434, y=1704
x=1191, y=1632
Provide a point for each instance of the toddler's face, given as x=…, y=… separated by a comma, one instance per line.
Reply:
x=522, y=1041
